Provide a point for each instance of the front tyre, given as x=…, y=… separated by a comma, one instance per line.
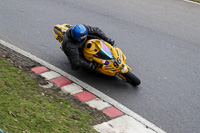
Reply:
x=131, y=78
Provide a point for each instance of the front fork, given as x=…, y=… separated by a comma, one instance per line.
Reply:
x=124, y=70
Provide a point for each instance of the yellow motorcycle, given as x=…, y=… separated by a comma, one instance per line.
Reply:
x=110, y=60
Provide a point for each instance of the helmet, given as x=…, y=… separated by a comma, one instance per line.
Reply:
x=79, y=33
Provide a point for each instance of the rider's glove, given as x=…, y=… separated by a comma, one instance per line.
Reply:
x=93, y=66
x=112, y=42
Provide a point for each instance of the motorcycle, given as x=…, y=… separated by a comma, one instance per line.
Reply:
x=110, y=60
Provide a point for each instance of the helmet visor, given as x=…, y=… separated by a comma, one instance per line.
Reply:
x=80, y=39
x=83, y=38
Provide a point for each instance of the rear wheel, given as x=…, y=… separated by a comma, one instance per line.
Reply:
x=131, y=78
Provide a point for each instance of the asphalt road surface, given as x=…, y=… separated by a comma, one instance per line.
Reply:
x=160, y=38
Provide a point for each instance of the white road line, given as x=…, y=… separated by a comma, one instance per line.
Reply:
x=87, y=87
x=123, y=124
x=192, y=2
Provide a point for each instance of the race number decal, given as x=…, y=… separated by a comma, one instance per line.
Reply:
x=59, y=39
x=117, y=62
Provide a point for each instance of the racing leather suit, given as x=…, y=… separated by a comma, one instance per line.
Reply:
x=73, y=50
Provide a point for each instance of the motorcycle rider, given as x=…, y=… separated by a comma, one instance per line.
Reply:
x=73, y=43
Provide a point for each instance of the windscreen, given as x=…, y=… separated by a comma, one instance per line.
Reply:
x=104, y=53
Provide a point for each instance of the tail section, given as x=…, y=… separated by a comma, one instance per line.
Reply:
x=60, y=31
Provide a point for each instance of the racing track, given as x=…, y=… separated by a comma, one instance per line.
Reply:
x=159, y=38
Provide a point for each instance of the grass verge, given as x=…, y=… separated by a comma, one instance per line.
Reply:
x=196, y=1
x=25, y=107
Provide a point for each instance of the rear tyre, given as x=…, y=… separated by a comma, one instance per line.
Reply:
x=131, y=78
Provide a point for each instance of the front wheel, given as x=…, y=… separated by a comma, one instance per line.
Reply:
x=130, y=77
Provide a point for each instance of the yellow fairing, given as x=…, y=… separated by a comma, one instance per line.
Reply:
x=92, y=47
x=115, y=65
x=60, y=31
